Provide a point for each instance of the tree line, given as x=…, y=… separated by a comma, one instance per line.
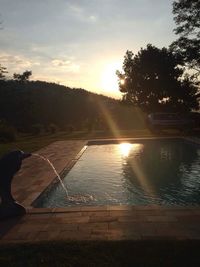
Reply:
x=31, y=106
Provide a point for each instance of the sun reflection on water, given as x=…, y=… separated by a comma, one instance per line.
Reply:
x=126, y=148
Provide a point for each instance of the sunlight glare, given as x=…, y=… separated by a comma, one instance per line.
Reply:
x=122, y=81
x=125, y=148
x=109, y=80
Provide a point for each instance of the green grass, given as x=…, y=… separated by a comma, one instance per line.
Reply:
x=113, y=253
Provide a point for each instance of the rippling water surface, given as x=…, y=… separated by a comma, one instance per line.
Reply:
x=165, y=172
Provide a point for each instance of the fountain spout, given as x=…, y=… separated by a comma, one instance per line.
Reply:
x=10, y=164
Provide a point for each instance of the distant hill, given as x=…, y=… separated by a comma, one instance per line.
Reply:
x=24, y=105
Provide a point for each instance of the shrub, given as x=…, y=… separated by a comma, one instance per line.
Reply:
x=37, y=129
x=53, y=128
x=7, y=133
x=70, y=128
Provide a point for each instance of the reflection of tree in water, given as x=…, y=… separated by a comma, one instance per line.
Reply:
x=160, y=170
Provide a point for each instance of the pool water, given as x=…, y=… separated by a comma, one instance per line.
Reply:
x=161, y=171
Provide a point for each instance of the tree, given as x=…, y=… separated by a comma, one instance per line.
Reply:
x=152, y=81
x=24, y=77
x=3, y=71
x=187, y=19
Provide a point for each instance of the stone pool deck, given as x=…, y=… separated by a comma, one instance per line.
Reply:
x=88, y=223
x=104, y=223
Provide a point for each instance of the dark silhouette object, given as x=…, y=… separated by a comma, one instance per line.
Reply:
x=10, y=164
x=24, y=77
x=153, y=81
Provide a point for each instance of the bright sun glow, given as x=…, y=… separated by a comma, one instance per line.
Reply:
x=125, y=148
x=122, y=81
x=109, y=80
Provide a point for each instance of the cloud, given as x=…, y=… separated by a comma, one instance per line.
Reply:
x=17, y=61
x=82, y=13
x=67, y=65
x=60, y=63
x=93, y=18
x=76, y=9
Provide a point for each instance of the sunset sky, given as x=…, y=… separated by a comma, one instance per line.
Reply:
x=80, y=43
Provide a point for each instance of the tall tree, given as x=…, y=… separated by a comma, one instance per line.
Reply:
x=153, y=81
x=187, y=18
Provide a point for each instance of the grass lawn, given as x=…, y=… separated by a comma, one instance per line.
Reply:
x=113, y=253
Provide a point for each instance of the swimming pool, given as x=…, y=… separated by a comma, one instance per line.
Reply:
x=140, y=172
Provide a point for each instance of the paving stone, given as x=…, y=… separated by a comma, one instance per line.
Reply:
x=16, y=236
x=39, y=210
x=67, y=215
x=90, y=226
x=41, y=235
x=94, y=208
x=83, y=219
x=97, y=213
x=121, y=213
x=125, y=226
x=54, y=235
x=64, y=227
x=161, y=218
x=102, y=219
x=68, y=209
x=134, y=218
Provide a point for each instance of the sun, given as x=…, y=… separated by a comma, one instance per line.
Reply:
x=109, y=80
x=122, y=81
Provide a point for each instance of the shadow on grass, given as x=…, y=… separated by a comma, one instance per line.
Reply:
x=108, y=253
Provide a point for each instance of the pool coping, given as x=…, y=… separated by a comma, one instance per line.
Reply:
x=104, y=222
